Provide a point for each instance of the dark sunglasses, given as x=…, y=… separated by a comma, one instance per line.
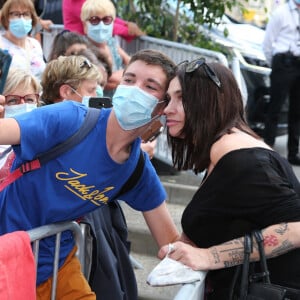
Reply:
x=96, y=20
x=86, y=63
x=197, y=63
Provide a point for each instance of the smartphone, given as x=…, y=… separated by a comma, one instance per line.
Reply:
x=5, y=61
x=100, y=102
x=153, y=131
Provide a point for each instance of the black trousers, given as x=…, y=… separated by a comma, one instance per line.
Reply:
x=285, y=82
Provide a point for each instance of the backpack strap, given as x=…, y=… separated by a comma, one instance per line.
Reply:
x=135, y=176
x=88, y=124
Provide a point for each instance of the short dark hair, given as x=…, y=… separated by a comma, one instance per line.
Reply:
x=210, y=112
x=155, y=57
x=63, y=40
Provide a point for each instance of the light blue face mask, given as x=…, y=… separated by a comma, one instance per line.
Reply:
x=100, y=33
x=14, y=110
x=133, y=106
x=84, y=99
x=99, y=91
x=20, y=27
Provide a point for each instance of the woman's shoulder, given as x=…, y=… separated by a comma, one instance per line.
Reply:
x=234, y=141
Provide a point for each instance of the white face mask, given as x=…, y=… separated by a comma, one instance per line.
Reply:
x=14, y=110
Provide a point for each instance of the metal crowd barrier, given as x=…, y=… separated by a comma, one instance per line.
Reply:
x=56, y=229
x=176, y=51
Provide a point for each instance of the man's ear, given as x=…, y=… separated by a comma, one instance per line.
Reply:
x=65, y=91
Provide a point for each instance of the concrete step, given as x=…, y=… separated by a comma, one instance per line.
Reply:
x=144, y=251
x=141, y=240
x=180, y=188
x=147, y=292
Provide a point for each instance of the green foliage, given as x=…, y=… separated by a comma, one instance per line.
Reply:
x=177, y=22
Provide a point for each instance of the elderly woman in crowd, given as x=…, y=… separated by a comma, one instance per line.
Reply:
x=98, y=17
x=18, y=17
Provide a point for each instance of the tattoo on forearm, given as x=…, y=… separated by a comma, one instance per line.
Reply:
x=233, y=242
x=236, y=257
x=271, y=240
x=282, y=249
x=282, y=229
x=215, y=255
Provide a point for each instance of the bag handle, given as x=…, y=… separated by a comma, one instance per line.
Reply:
x=245, y=270
x=265, y=274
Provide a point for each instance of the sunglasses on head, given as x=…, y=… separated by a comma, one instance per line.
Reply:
x=196, y=64
x=86, y=64
x=96, y=20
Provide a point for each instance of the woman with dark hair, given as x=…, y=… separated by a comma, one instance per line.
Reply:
x=247, y=185
x=68, y=43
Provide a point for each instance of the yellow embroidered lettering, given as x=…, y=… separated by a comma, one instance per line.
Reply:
x=79, y=175
x=81, y=190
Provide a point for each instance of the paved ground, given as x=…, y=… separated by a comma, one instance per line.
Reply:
x=280, y=147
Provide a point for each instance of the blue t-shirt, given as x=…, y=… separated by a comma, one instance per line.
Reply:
x=73, y=184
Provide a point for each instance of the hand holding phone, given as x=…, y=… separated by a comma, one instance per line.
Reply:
x=153, y=130
x=100, y=102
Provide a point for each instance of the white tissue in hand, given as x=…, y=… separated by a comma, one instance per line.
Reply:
x=170, y=272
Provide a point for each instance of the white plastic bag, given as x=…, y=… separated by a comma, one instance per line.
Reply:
x=171, y=272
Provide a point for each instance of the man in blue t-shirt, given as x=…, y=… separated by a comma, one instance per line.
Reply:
x=91, y=173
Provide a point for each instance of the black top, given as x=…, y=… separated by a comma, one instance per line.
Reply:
x=248, y=189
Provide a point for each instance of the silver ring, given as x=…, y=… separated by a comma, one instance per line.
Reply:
x=171, y=248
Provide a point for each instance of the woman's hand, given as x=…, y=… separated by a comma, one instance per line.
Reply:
x=149, y=147
x=46, y=24
x=193, y=257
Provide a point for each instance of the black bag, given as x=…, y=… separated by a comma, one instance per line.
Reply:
x=257, y=286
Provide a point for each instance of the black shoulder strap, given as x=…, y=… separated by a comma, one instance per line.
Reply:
x=88, y=124
x=135, y=176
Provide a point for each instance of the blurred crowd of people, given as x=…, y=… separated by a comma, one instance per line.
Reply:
x=246, y=186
